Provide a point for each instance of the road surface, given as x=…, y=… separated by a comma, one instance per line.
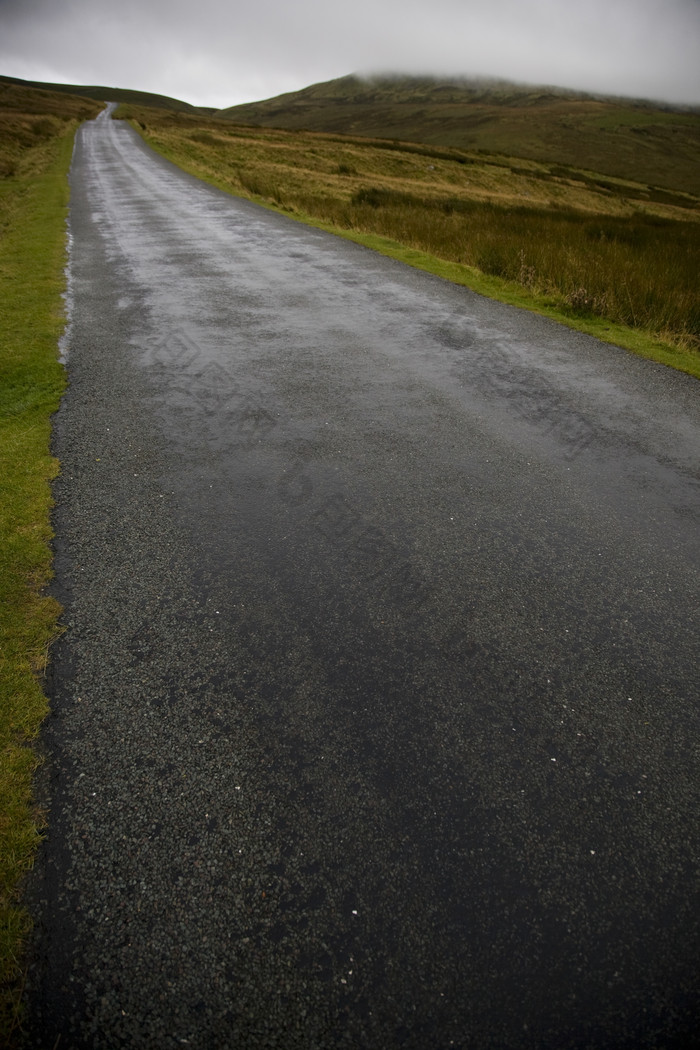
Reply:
x=375, y=722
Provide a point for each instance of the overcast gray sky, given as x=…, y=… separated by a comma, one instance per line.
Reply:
x=218, y=53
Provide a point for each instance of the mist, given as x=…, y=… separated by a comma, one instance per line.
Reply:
x=221, y=54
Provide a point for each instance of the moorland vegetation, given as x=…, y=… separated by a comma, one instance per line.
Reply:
x=655, y=144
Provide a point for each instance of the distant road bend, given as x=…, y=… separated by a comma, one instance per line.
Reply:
x=375, y=724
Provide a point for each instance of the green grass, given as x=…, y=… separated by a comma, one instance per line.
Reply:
x=604, y=255
x=33, y=203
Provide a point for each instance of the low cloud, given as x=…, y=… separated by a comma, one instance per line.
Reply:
x=215, y=53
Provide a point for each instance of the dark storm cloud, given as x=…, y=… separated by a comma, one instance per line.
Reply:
x=221, y=53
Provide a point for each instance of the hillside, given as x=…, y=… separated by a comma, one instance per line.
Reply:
x=30, y=118
x=653, y=144
x=650, y=143
x=109, y=94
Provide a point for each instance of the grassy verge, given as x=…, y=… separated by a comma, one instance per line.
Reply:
x=33, y=207
x=609, y=257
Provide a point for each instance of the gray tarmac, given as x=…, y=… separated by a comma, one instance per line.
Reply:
x=375, y=722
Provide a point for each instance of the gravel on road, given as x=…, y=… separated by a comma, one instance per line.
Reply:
x=375, y=720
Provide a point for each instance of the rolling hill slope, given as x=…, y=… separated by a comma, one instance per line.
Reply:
x=110, y=94
x=651, y=143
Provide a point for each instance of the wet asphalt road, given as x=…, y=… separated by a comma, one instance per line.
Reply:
x=376, y=719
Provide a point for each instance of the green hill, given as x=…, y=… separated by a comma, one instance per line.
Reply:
x=649, y=142
x=110, y=94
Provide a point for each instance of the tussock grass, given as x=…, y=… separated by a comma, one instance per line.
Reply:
x=36, y=145
x=603, y=254
x=636, y=272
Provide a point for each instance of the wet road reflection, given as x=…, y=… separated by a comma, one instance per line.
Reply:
x=375, y=721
